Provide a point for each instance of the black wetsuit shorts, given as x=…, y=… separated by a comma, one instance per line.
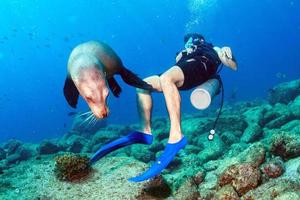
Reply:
x=196, y=71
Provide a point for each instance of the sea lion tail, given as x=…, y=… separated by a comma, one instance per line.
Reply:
x=132, y=79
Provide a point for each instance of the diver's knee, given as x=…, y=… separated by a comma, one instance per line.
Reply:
x=165, y=80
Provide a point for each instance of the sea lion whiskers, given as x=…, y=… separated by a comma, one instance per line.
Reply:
x=95, y=120
x=85, y=113
x=91, y=121
x=87, y=119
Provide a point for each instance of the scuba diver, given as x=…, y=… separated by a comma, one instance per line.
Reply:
x=197, y=63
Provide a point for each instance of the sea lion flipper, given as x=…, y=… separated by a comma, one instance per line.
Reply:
x=132, y=79
x=70, y=92
x=114, y=86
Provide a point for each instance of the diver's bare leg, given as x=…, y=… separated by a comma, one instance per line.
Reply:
x=144, y=103
x=170, y=81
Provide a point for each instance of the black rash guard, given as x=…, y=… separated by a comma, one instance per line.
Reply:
x=198, y=66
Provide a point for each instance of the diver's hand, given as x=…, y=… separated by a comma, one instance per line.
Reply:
x=226, y=57
x=178, y=57
x=227, y=52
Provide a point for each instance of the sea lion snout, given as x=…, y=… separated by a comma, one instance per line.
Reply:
x=91, y=84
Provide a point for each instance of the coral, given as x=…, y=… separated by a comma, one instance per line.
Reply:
x=156, y=188
x=273, y=168
x=187, y=191
x=227, y=193
x=285, y=145
x=72, y=167
x=243, y=177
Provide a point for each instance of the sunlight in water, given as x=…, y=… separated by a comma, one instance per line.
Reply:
x=198, y=10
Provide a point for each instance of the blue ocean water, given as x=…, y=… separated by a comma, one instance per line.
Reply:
x=36, y=38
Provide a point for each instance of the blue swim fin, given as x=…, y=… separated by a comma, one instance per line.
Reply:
x=162, y=162
x=132, y=138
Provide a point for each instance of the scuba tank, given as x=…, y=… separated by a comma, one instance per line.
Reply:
x=203, y=95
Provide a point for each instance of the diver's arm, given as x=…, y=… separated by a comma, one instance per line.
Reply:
x=226, y=57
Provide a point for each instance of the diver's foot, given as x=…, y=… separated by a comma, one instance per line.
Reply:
x=162, y=162
x=174, y=139
x=147, y=131
x=134, y=137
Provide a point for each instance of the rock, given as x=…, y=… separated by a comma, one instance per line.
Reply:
x=273, y=189
x=108, y=134
x=243, y=177
x=236, y=149
x=11, y=146
x=187, y=191
x=227, y=193
x=161, y=123
x=285, y=145
x=22, y=153
x=156, y=146
x=141, y=153
x=83, y=128
x=288, y=196
x=274, y=168
x=292, y=168
x=279, y=121
x=12, y=159
x=212, y=149
x=294, y=107
x=254, y=154
x=199, y=177
x=156, y=188
x=290, y=125
x=251, y=133
x=255, y=115
x=277, y=116
x=228, y=123
x=48, y=147
x=284, y=92
x=191, y=149
x=2, y=154
x=74, y=143
x=229, y=138
x=3, y=167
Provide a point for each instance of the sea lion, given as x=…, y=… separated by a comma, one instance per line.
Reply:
x=91, y=67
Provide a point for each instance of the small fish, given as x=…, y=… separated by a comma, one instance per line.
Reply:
x=280, y=75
